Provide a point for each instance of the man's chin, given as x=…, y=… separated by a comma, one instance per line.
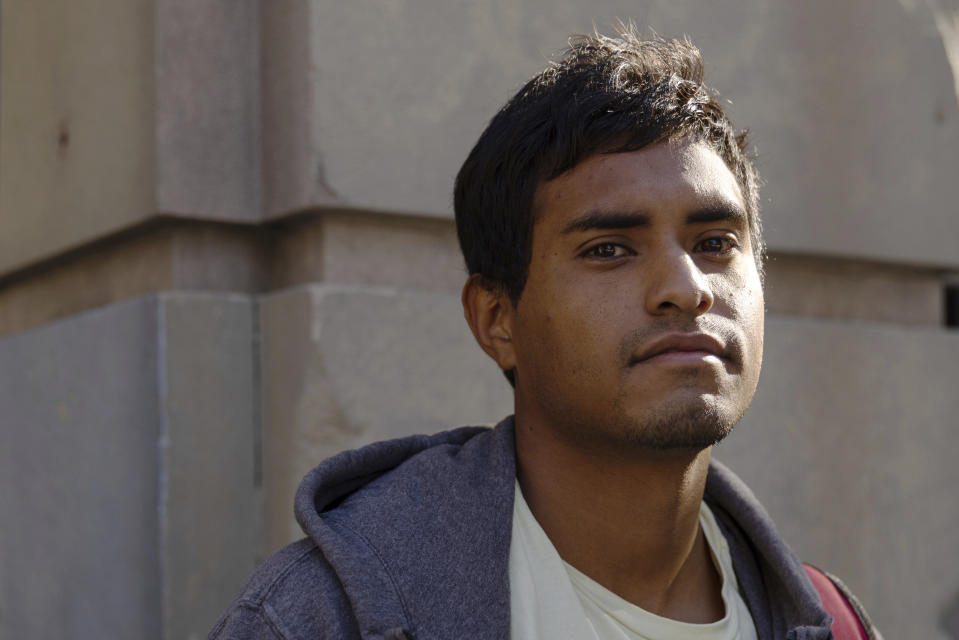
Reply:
x=691, y=427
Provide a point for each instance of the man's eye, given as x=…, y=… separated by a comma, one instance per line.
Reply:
x=606, y=250
x=717, y=245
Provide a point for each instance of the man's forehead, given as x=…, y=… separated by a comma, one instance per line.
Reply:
x=667, y=172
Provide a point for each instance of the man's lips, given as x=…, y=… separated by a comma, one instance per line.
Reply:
x=681, y=348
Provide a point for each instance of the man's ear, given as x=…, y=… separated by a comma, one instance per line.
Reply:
x=489, y=313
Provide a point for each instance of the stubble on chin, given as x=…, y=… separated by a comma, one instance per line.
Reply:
x=677, y=426
x=685, y=427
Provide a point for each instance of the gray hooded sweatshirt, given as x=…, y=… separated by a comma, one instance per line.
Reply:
x=410, y=538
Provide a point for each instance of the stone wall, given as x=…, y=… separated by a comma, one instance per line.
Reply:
x=226, y=252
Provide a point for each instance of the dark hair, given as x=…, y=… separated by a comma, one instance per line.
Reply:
x=606, y=95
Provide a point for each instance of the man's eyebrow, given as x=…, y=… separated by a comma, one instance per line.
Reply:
x=607, y=220
x=720, y=212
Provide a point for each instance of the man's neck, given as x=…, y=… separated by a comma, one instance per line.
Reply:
x=627, y=519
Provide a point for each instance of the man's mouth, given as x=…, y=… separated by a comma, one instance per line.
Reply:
x=682, y=348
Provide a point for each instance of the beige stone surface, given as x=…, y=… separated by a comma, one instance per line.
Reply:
x=113, y=112
x=853, y=107
x=116, y=111
x=76, y=123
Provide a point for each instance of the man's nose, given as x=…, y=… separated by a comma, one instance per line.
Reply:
x=678, y=285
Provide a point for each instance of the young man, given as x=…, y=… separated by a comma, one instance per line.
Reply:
x=609, y=220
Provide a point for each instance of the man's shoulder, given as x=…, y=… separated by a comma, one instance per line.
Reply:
x=385, y=523
x=294, y=594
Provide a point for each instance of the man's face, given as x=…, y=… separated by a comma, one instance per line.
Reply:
x=641, y=321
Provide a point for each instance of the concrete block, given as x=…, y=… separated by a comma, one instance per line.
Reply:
x=80, y=476
x=400, y=251
x=76, y=123
x=853, y=290
x=850, y=444
x=128, y=478
x=115, y=111
x=348, y=365
x=210, y=499
x=207, y=109
x=293, y=174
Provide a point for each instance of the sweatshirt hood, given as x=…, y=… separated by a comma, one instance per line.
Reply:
x=402, y=523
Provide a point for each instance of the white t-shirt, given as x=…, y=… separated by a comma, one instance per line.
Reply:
x=550, y=600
